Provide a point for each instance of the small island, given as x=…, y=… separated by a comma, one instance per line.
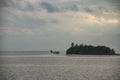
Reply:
x=89, y=50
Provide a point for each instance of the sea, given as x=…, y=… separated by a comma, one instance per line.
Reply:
x=43, y=65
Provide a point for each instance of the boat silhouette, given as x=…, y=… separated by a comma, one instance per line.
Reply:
x=54, y=52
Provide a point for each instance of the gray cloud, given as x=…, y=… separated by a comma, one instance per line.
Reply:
x=28, y=7
x=72, y=7
x=20, y=5
x=87, y=9
x=115, y=3
x=49, y=7
x=7, y=3
x=3, y=3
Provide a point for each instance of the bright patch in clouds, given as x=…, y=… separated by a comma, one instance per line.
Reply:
x=111, y=21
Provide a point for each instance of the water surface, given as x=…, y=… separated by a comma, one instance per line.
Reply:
x=59, y=67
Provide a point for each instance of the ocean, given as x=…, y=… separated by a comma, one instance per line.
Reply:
x=42, y=65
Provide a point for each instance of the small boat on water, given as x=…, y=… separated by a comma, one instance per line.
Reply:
x=54, y=52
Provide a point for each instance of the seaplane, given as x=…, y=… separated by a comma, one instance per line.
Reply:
x=54, y=52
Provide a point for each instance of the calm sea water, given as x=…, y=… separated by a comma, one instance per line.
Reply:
x=47, y=66
x=25, y=53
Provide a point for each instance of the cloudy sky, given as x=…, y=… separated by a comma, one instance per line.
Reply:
x=54, y=24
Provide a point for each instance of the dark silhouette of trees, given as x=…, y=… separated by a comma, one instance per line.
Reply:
x=72, y=44
x=89, y=50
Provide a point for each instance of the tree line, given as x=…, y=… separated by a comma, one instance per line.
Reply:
x=89, y=50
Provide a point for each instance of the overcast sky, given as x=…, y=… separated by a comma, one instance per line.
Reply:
x=54, y=24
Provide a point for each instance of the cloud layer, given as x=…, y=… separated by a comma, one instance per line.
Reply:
x=49, y=21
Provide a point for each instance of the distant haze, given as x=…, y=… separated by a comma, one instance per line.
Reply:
x=42, y=25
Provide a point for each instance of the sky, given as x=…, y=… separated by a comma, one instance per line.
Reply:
x=40, y=25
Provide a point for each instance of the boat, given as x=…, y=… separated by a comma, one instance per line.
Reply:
x=54, y=52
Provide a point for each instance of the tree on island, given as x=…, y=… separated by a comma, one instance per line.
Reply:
x=89, y=50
